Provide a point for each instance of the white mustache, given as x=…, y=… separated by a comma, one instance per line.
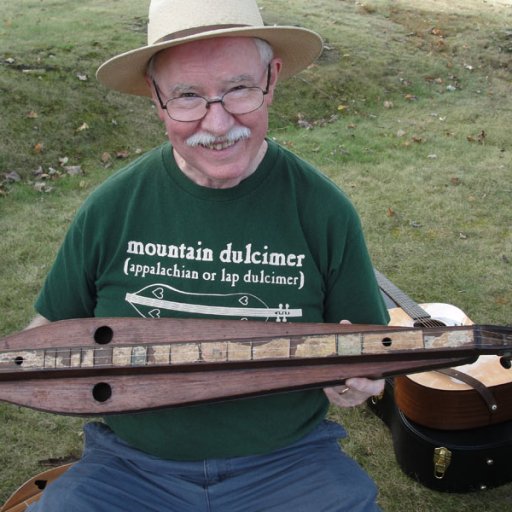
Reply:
x=207, y=139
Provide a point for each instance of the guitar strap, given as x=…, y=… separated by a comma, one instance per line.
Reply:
x=484, y=392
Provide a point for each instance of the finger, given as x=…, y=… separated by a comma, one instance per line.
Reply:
x=344, y=396
x=368, y=386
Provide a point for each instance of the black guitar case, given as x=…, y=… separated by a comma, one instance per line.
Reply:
x=447, y=460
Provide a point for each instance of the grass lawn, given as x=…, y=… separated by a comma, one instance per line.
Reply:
x=408, y=110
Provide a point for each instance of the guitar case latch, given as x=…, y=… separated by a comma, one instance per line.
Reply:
x=442, y=459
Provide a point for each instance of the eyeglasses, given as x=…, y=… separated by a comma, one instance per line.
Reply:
x=192, y=107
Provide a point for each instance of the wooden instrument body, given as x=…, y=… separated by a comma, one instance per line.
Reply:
x=116, y=365
x=436, y=400
x=32, y=489
x=58, y=367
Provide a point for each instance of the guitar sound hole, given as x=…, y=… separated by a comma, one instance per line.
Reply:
x=429, y=322
x=506, y=362
x=101, y=392
x=41, y=484
x=103, y=335
x=387, y=342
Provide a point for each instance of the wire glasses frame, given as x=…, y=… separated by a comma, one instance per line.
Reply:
x=193, y=108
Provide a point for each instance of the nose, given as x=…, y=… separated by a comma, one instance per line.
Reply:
x=217, y=119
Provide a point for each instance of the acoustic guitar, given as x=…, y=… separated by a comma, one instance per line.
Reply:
x=31, y=490
x=468, y=396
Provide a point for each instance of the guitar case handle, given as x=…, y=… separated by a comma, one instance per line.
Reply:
x=478, y=386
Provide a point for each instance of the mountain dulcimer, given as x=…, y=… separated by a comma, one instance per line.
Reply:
x=99, y=366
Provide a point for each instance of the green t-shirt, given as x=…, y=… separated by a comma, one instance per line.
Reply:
x=283, y=245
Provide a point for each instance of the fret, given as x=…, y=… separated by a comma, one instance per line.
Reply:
x=87, y=358
x=50, y=358
x=159, y=355
x=239, y=351
x=216, y=351
x=139, y=354
x=349, y=344
x=317, y=346
x=278, y=348
x=122, y=356
x=184, y=353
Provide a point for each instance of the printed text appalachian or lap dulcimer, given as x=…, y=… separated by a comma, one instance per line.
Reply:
x=99, y=366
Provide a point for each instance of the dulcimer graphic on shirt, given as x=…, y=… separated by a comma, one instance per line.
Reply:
x=97, y=366
x=150, y=300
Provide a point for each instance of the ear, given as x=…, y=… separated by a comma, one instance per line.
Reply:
x=275, y=66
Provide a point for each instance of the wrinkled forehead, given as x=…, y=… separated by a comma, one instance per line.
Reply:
x=217, y=55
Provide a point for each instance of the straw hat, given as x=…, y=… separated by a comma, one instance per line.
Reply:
x=175, y=22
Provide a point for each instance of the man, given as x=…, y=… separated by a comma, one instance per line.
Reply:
x=218, y=222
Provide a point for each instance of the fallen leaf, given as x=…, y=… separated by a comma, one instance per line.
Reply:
x=74, y=170
x=38, y=148
x=41, y=186
x=32, y=115
x=122, y=154
x=303, y=123
x=388, y=104
x=390, y=212
x=410, y=97
x=83, y=127
x=417, y=139
x=454, y=180
x=53, y=173
x=106, y=157
x=400, y=133
x=480, y=138
x=82, y=77
x=12, y=176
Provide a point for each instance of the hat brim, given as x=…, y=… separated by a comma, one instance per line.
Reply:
x=297, y=47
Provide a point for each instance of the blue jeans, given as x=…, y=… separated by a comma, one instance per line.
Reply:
x=311, y=475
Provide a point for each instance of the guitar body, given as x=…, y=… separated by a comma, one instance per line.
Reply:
x=31, y=490
x=436, y=400
x=447, y=460
x=446, y=434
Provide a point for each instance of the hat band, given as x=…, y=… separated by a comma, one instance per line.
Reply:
x=197, y=30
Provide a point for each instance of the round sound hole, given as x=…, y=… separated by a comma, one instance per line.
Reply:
x=506, y=362
x=387, y=342
x=103, y=335
x=101, y=392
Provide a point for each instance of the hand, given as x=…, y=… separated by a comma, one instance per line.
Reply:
x=355, y=391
